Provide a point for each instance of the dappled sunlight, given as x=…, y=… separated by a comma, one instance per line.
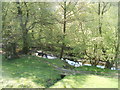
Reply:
x=19, y=82
x=94, y=81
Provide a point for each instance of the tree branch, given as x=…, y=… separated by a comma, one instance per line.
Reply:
x=62, y=6
x=104, y=8
x=38, y=22
x=33, y=25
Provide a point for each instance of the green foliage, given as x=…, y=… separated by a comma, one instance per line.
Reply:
x=45, y=28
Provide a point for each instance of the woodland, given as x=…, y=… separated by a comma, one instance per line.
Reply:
x=42, y=40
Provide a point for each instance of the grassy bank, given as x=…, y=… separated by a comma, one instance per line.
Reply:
x=34, y=72
x=29, y=71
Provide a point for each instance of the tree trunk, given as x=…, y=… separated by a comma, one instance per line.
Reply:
x=25, y=48
x=13, y=49
x=23, y=24
x=64, y=30
x=109, y=64
x=62, y=50
x=100, y=24
x=94, y=62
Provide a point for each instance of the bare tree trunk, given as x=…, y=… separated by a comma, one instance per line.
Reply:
x=100, y=24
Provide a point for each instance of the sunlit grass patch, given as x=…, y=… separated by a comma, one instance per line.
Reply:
x=86, y=81
x=19, y=82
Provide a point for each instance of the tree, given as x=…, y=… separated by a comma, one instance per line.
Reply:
x=25, y=19
x=64, y=30
x=117, y=47
x=64, y=11
x=26, y=24
x=9, y=31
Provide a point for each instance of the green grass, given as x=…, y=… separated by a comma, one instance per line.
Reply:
x=86, y=81
x=97, y=71
x=34, y=72
x=29, y=72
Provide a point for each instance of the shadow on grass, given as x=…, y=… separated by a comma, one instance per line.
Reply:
x=29, y=69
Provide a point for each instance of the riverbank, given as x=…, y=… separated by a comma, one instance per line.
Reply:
x=34, y=72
